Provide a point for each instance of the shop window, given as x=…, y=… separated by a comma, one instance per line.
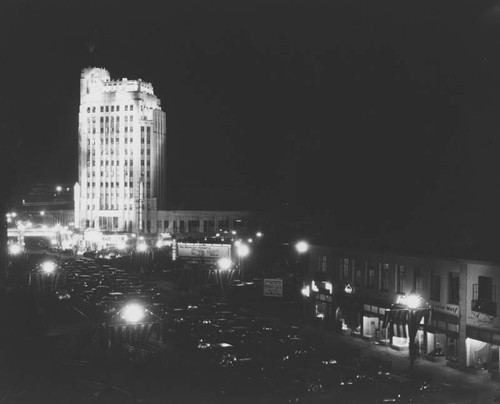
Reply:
x=453, y=287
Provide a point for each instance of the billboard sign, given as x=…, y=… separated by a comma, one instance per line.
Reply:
x=203, y=251
x=273, y=287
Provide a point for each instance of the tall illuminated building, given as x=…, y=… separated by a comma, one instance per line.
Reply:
x=122, y=138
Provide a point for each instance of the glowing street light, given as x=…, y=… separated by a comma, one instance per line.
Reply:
x=48, y=267
x=133, y=313
x=224, y=264
x=302, y=247
x=42, y=213
x=14, y=249
x=142, y=247
x=58, y=188
x=242, y=250
x=259, y=234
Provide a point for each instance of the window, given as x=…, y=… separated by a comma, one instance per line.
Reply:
x=181, y=226
x=417, y=280
x=485, y=288
x=322, y=263
x=453, y=287
x=131, y=107
x=357, y=273
x=107, y=108
x=371, y=276
x=126, y=109
x=193, y=225
x=400, y=279
x=208, y=226
x=102, y=109
x=165, y=224
x=435, y=283
x=384, y=276
x=118, y=110
x=345, y=269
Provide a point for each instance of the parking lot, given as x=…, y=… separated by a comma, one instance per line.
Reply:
x=107, y=334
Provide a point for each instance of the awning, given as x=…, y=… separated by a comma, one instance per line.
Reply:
x=396, y=321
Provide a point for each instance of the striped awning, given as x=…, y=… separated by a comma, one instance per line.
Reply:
x=130, y=333
x=396, y=321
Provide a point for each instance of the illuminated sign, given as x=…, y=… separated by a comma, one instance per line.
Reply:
x=203, y=251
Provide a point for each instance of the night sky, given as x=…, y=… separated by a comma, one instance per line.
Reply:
x=383, y=113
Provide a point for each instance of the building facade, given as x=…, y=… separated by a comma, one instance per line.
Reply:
x=462, y=328
x=122, y=139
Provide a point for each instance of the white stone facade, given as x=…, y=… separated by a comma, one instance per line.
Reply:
x=122, y=139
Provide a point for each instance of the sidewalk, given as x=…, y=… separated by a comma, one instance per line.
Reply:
x=487, y=388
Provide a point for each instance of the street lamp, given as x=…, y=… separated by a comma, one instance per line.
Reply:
x=133, y=313
x=413, y=308
x=48, y=267
x=242, y=250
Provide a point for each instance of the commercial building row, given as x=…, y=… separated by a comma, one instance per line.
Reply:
x=355, y=291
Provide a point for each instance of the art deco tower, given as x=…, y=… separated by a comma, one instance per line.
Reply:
x=122, y=138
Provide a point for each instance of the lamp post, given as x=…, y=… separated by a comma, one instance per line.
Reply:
x=414, y=308
x=224, y=266
x=242, y=250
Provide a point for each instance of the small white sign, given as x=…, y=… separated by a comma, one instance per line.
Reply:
x=273, y=287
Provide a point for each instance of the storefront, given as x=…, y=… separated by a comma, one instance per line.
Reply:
x=319, y=296
x=348, y=314
x=373, y=327
x=482, y=350
x=442, y=335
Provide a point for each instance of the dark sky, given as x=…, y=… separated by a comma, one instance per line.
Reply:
x=382, y=112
